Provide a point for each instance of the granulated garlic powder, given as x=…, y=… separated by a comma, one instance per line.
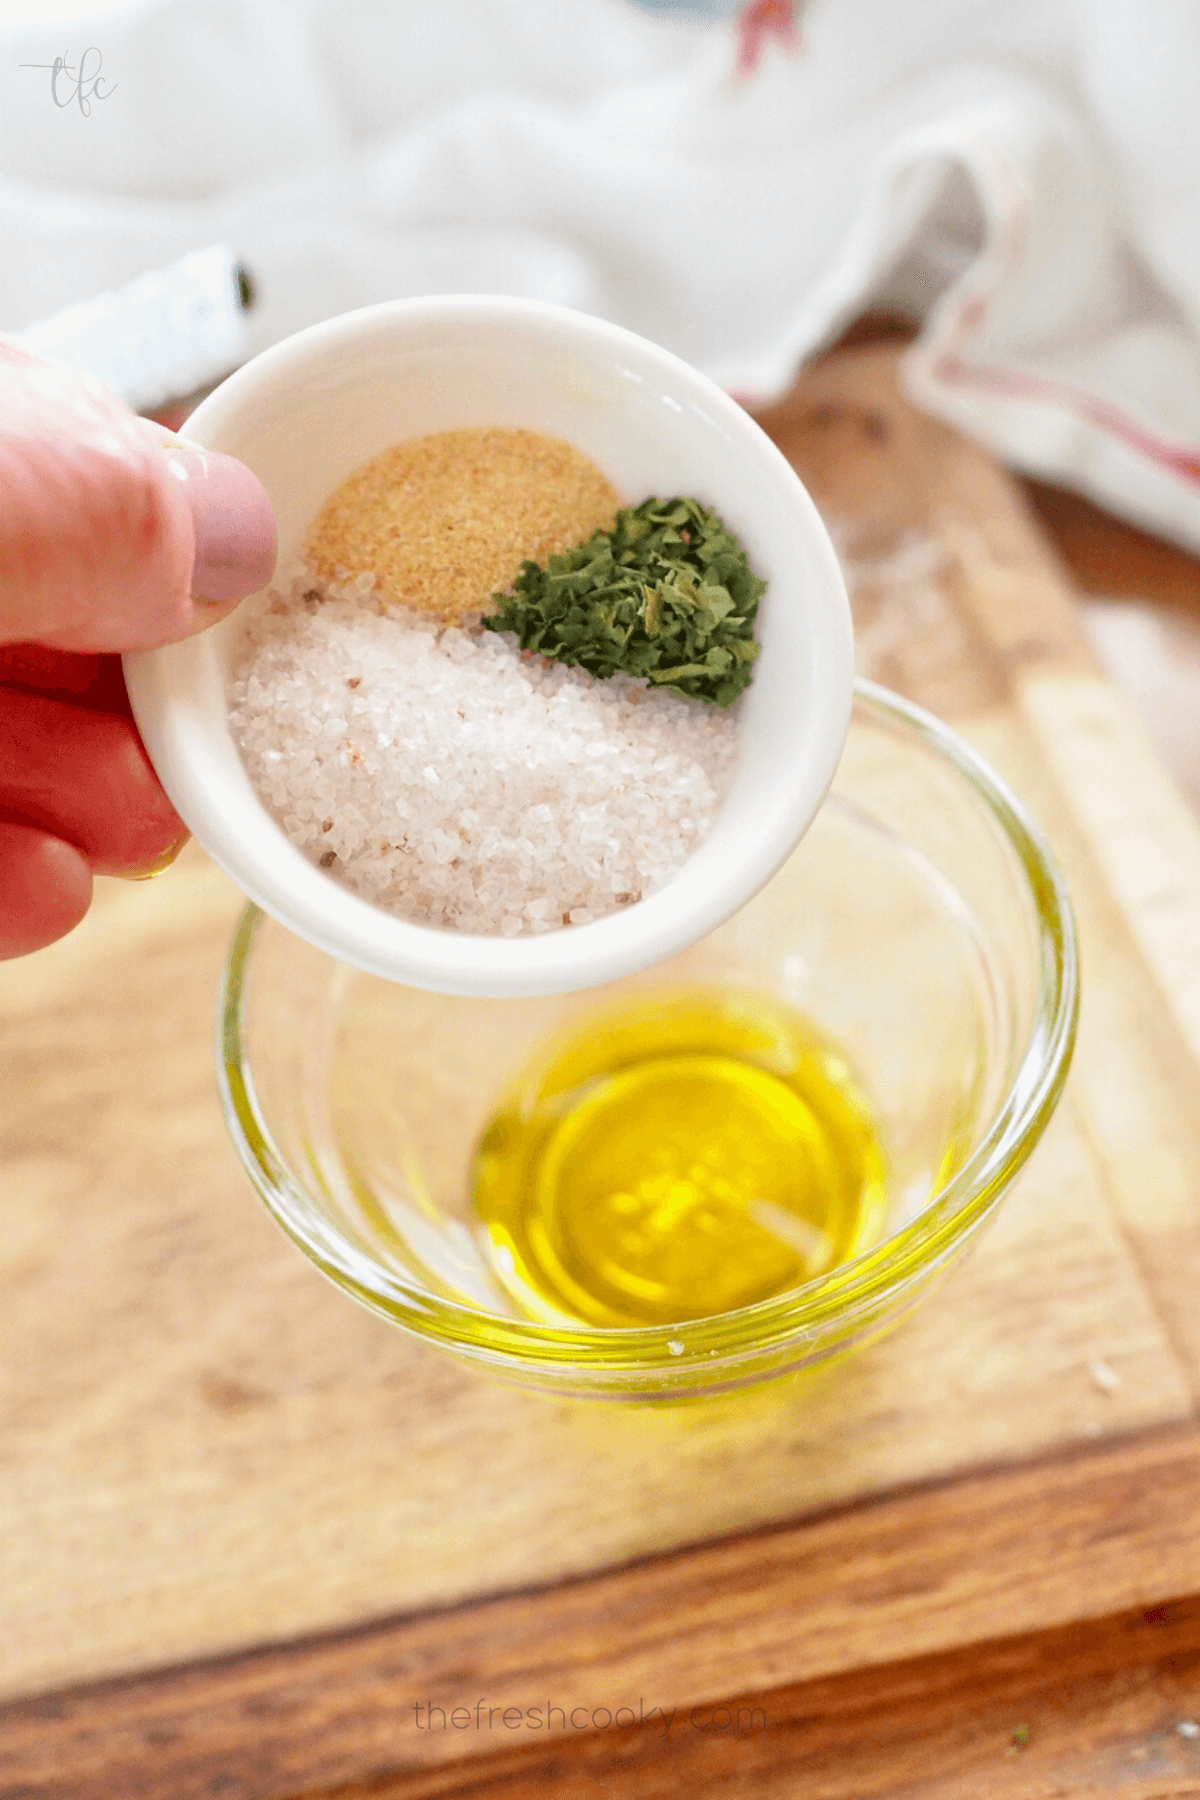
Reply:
x=444, y=522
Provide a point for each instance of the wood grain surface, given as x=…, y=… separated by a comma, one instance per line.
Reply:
x=205, y=1450
x=1060, y=1540
x=1105, y=1708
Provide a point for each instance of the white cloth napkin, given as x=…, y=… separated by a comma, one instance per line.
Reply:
x=1025, y=177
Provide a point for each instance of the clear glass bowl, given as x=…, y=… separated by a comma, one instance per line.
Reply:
x=921, y=925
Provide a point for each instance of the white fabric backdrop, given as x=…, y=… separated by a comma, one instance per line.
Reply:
x=1026, y=177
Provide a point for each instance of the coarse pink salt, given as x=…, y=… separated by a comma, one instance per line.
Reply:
x=440, y=775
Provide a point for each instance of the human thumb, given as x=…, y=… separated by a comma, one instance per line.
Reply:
x=113, y=536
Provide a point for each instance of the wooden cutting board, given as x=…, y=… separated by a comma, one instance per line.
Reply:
x=287, y=1528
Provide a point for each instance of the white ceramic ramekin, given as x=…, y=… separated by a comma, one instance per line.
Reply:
x=305, y=414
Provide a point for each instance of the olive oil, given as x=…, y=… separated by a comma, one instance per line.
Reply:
x=691, y=1151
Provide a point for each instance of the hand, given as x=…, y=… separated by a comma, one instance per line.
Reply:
x=112, y=537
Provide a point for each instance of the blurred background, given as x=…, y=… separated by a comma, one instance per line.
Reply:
x=1016, y=191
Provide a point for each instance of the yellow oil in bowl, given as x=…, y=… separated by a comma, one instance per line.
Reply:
x=692, y=1151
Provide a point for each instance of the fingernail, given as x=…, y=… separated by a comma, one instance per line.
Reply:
x=159, y=864
x=235, y=527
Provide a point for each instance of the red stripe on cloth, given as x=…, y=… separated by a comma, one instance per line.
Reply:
x=1017, y=385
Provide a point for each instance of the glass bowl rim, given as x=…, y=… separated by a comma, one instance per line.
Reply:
x=853, y=1288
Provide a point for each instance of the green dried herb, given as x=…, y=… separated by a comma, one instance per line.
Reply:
x=666, y=594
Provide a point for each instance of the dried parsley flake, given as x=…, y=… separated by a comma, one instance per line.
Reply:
x=667, y=594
